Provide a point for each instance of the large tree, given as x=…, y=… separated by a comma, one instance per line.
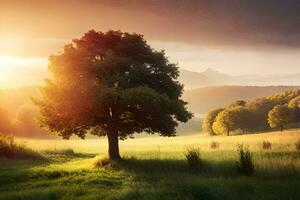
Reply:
x=112, y=84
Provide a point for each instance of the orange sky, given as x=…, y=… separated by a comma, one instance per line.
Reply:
x=236, y=37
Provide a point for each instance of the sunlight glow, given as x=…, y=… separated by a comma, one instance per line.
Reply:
x=21, y=71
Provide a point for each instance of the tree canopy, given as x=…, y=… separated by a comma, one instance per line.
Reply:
x=280, y=116
x=112, y=84
x=209, y=120
x=225, y=122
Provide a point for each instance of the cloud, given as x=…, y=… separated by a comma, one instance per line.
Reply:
x=250, y=24
x=253, y=23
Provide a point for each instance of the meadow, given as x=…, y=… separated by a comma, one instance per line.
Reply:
x=155, y=168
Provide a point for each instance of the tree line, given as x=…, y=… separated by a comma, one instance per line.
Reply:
x=276, y=111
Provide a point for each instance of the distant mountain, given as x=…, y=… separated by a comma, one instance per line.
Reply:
x=210, y=77
x=194, y=79
x=217, y=76
x=202, y=79
x=202, y=100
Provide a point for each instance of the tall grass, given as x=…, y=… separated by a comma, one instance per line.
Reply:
x=193, y=158
x=12, y=150
x=214, y=145
x=245, y=164
x=266, y=145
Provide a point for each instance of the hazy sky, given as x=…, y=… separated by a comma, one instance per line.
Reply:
x=232, y=36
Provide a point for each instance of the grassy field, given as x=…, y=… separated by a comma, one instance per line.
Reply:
x=155, y=168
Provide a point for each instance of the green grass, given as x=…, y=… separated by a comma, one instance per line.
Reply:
x=155, y=168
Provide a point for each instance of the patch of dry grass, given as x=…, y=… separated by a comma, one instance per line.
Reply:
x=10, y=149
x=280, y=141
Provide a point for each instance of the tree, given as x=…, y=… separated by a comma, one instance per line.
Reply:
x=238, y=103
x=209, y=120
x=280, y=116
x=225, y=122
x=260, y=109
x=112, y=84
x=294, y=104
x=232, y=118
x=243, y=118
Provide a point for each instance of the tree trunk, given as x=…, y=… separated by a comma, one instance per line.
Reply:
x=228, y=132
x=281, y=128
x=113, y=146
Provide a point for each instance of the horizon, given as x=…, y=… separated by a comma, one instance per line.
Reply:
x=38, y=81
x=42, y=72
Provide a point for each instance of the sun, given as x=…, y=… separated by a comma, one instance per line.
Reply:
x=20, y=71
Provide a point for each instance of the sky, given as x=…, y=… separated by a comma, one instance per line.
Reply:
x=233, y=36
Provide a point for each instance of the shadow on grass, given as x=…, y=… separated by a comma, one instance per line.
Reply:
x=171, y=167
x=157, y=168
x=278, y=154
